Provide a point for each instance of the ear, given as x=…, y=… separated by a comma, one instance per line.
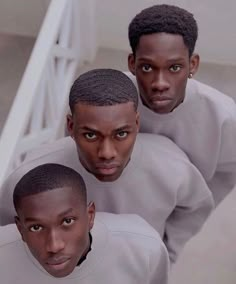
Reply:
x=70, y=124
x=91, y=214
x=194, y=63
x=19, y=227
x=131, y=63
x=138, y=121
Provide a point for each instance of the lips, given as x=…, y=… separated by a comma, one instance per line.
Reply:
x=107, y=166
x=57, y=261
x=107, y=169
x=160, y=98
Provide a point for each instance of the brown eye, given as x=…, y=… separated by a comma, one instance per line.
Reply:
x=90, y=136
x=35, y=228
x=175, y=68
x=68, y=221
x=122, y=134
x=146, y=68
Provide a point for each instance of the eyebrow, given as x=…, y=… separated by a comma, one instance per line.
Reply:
x=88, y=128
x=126, y=126
x=174, y=59
x=123, y=128
x=60, y=215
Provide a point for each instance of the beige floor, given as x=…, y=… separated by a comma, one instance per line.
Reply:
x=14, y=54
x=210, y=257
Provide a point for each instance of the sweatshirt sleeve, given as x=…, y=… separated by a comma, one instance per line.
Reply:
x=224, y=179
x=227, y=153
x=159, y=266
x=194, y=203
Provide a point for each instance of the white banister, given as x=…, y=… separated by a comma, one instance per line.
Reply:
x=38, y=111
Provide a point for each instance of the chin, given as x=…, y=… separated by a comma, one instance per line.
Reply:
x=159, y=110
x=59, y=274
x=108, y=178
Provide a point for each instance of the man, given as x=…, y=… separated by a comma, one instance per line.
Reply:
x=150, y=177
x=198, y=118
x=59, y=237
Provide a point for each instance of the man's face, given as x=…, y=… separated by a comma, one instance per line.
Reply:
x=105, y=137
x=56, y=228
x=162, y=66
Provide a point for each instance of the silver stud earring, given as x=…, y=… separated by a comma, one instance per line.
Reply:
x=190, y=75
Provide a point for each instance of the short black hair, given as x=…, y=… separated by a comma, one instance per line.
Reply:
x=164, y=19
x=103, y=87
x=48, y=177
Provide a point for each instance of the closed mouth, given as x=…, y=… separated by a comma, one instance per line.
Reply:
x=107, y=166
x=160, y=98
x=107, y=170
x=57, y=261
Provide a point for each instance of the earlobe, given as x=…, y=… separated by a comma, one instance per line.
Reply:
x=19, y=227
x=70, y=124
x=131, y=63
x=194, y=63
x=138, y=121
x=91, y=214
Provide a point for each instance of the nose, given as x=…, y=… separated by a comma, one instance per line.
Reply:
x=160, y=83
x=106, y=150
x=55, y=242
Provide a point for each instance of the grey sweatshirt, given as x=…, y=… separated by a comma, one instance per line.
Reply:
x=125, y=249
x=159, y=184
x=204, y=127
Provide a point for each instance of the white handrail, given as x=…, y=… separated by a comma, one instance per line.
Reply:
x=38, y=111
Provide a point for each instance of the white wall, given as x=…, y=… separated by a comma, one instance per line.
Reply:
x=22, y=17
x=216, y=20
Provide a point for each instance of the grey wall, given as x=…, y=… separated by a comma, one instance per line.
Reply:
x=22, y=17
x=216, y=19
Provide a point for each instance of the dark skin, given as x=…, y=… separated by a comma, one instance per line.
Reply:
x=55, y=226
x=105, y=136
x=162, y=66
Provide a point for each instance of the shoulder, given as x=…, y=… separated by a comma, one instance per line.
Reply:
x=59, y=151
x=158, y=148
x=137, y=245
x=161, y=158
x=212, y=97
x=130, y=75
x=64, y=145
x=130, y=226
x=62, y=152
x=9, y=235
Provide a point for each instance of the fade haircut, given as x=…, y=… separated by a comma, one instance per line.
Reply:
x=164, y=19
x=48, y=177
x=103, y=87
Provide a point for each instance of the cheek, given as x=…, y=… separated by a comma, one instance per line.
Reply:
x=78, y=242
x=182, y=86
x=143, y=83
x=85, y=149
x=127, y=147
x=179, y=84
x=36, y=246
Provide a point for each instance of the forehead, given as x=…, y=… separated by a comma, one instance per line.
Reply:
x=162, y=45
x=50, y=204
x=102, y=116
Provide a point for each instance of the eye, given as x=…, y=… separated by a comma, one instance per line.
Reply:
x=175, y=68
x=122, y=134
x=146, y=68
x=68, y=221
x=90, y=136
x=35, y=228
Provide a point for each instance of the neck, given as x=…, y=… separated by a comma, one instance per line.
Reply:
x=87, y=250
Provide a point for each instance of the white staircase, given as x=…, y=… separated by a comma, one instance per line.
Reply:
x=38, y=113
